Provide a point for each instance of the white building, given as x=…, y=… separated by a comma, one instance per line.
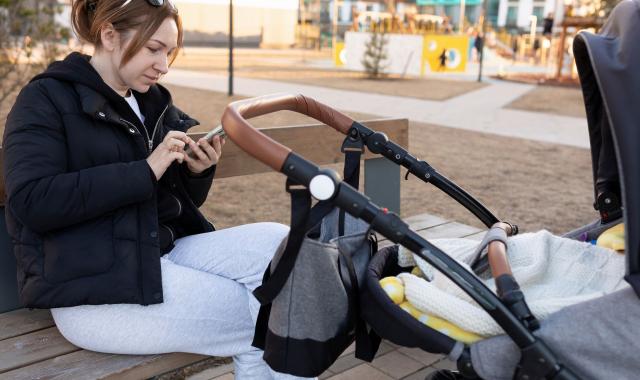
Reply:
x=517, y=13
x=268, y=23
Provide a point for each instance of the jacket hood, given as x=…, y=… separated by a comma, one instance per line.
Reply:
x=98, y=97
x=608, y=67
x=75, y=68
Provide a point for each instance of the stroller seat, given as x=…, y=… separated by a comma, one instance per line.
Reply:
x=553, y=272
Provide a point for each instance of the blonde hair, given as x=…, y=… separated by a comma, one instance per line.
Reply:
x=88, y=17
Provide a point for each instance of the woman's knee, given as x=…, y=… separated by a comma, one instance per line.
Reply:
x=277, y=230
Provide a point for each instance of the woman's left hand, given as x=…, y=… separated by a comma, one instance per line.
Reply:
x=206, y=154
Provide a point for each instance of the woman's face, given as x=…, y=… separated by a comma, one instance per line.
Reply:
x=150, y=62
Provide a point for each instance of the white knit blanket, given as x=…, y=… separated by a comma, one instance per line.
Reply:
x=553, y=273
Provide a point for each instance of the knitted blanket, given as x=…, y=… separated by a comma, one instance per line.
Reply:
x=553, y=273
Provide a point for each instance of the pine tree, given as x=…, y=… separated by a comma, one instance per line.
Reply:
x=375, y=54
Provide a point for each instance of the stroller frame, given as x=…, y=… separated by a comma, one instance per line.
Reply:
x=537, y=359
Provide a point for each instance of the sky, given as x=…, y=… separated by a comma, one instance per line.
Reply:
x=279, y=4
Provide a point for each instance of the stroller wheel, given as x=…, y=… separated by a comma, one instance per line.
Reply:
x=445, y=374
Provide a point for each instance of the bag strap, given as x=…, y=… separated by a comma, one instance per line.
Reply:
x=351, y=174
x=300, y=208
x=303, y=218
x=367, y=343
x=262, y=324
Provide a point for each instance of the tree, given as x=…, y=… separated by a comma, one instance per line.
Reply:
x=30, y=39
x=376, y=53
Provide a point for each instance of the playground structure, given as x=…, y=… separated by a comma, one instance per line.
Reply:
x=552, y=51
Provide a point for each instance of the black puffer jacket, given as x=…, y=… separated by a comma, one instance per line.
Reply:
x=82, y=202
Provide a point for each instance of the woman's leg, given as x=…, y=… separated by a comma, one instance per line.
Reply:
x=196, y=316
x=242, y=254
x=203, y=312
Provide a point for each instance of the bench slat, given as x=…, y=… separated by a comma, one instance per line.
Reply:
x=434, y=229
x=417, y=223
x=23, y=321
x=424, y=221
x=32, y=348
x=448, y=230
x=93, y=365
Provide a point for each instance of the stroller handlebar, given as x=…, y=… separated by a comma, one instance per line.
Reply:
x=263, y=148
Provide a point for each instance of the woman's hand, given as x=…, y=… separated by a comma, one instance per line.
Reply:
x=206, y=155
x=169, y=150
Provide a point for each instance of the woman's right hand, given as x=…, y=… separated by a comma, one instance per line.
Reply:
x=169, y=150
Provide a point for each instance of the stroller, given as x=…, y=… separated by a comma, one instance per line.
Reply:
x=594, y=339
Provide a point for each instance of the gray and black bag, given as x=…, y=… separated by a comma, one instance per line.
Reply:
x=310, y=293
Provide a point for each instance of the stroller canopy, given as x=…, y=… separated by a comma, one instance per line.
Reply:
x=609, y=68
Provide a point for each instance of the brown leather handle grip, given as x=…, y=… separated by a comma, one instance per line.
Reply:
x=498, y=259
x=263, y=148
x=497, y=253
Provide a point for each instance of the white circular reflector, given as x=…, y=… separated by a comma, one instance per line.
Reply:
x=322, y=187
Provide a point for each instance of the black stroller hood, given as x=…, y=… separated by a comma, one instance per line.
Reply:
x=609, y=68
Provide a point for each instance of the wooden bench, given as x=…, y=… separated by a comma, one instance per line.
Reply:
x=32, y=347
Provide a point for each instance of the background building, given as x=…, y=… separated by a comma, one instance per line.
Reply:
x=516, y=14
x=256, y=23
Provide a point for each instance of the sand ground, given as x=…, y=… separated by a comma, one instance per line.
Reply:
x=552, y=99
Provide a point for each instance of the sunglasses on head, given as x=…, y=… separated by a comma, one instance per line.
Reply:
x=91, y=6
x=153, y=3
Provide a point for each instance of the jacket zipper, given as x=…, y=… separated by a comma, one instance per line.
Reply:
x=136, y=128
x=153, y=133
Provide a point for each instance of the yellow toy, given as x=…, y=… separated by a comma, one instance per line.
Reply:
x=394, y=288
x=417, y=272
x=613, y=238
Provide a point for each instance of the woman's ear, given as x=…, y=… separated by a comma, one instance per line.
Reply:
x=109, y=37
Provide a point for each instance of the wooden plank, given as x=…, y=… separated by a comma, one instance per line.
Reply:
x=448, y=230
x=23, y=321
x=477, y=236
x=416, y=223
x=317, y=143
x=423, y=221
x=91, y=365
x=32, y=348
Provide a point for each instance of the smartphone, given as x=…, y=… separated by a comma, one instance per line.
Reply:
x=217, y=131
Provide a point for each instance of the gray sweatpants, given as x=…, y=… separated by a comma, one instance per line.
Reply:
x=208, y=308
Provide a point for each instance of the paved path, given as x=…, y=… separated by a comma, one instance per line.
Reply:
x=480, y=110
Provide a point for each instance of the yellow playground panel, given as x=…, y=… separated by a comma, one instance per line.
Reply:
x=452, y=51
x=338, y=54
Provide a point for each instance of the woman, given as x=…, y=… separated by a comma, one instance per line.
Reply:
x=103, y=201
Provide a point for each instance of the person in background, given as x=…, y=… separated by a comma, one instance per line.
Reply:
x=547, y=25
